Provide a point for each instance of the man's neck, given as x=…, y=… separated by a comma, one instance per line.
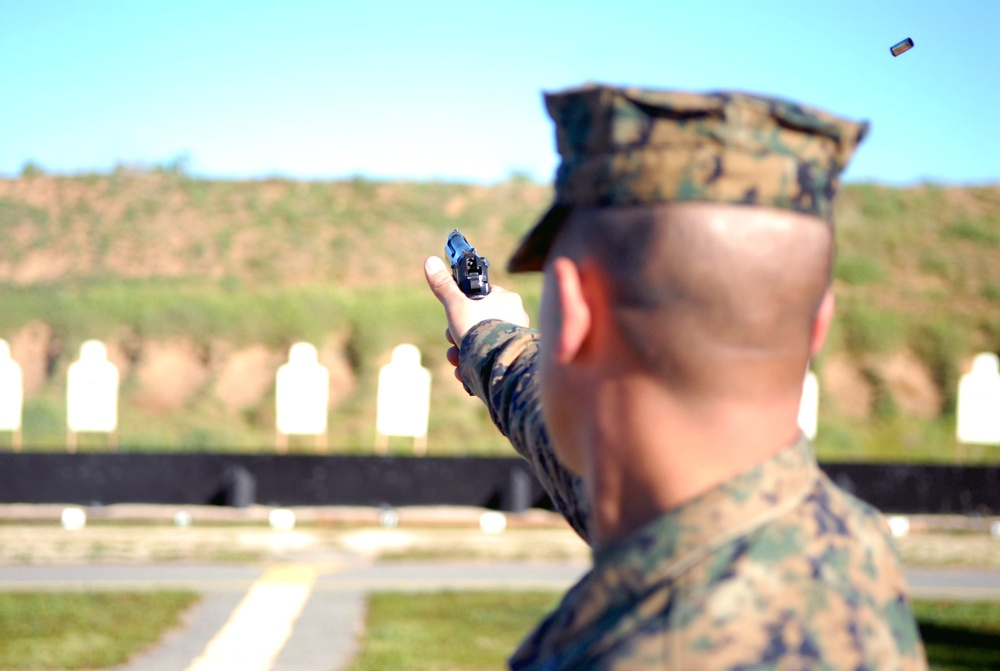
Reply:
x=652, y=453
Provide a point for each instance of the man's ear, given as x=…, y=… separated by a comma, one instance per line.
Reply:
x=821, y=322
x=574, y=311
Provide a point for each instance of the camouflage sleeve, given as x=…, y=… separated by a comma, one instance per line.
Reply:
x=497, y=363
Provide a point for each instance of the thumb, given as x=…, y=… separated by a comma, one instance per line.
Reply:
x=440, y=281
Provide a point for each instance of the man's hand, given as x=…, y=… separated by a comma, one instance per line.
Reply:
x=463, y=313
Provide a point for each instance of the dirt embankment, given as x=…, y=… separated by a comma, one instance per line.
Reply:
x=166, y=374
x=917, y=280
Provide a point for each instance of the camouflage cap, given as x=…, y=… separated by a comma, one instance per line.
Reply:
x=627, y=146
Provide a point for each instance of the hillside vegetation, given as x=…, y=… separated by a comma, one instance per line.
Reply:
x=200, y=287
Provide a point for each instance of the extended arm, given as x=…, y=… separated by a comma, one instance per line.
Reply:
x=496, y=362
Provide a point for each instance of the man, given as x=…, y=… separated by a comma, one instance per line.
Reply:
x=687, y=263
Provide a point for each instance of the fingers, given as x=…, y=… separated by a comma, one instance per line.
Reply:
x=463, y=313
x=440, y=281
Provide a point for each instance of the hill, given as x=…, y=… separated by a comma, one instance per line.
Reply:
x=199, y=287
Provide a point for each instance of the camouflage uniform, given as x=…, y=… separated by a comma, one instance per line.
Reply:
x=775, y=569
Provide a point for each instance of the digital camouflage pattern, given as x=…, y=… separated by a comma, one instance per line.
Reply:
x=627, y=146
x=776, y=568
x=514, y=408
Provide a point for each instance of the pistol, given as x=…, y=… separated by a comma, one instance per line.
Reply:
x=469, y=269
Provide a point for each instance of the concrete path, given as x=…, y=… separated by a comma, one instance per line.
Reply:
x=180, y=646
x=958, y=584
x=307, y=616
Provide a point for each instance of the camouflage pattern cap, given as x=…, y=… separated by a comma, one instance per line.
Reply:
x=628, y=146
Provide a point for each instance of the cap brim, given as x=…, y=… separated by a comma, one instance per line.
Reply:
x=530, y=255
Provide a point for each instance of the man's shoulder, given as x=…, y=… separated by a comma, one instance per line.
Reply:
x=821, y=582
x=831, y=542
x=796, y=591
x=818, y=585
x=831, y=513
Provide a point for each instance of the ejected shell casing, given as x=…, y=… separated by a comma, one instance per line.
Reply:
x=900, y=47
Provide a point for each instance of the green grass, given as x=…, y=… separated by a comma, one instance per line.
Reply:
x=472, y=631
x=85, y=630
x=897, y=439
x=960, y=636
x=466, y=631
x=979, y=232
x=859, y=269
x=459, y=631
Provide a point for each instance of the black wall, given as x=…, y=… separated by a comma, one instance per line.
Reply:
x=915, y=489
x=93, y=478
x=269, y=479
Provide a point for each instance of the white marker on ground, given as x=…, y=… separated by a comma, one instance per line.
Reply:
x=899, y=525
x=73, y=519
x=282, y=519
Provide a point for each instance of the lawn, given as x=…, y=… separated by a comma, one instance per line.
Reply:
x=457, y=631
x=464, y=631
x=83, y=630
x=960, y=635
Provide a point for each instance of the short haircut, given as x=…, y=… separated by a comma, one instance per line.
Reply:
x=697, y=286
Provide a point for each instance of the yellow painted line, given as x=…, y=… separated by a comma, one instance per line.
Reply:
x=261, y=624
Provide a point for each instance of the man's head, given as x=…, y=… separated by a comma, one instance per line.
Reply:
x=695, y=231
x=701, y=292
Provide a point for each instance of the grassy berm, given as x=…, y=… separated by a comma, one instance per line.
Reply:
x=200, y=287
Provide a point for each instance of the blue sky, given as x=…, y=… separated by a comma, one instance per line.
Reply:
x=452, y=89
